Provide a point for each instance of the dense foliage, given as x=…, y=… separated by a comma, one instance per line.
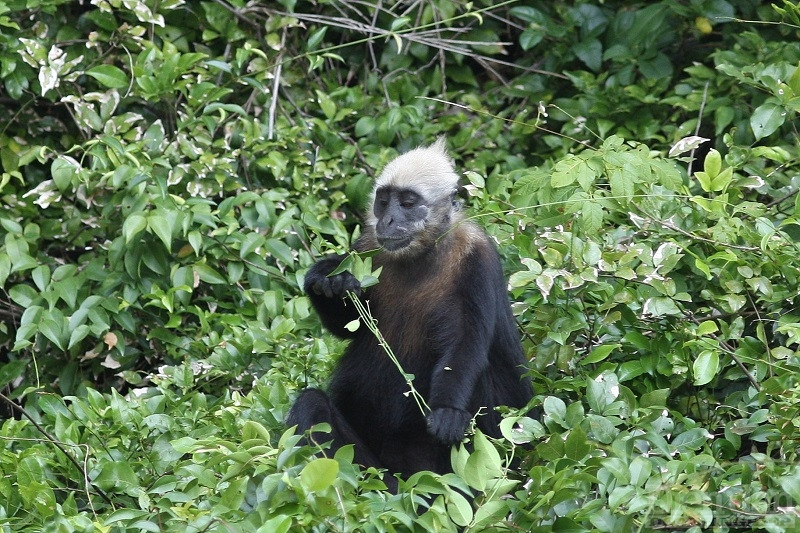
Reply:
x=171, y=169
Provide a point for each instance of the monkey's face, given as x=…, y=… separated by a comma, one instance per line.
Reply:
x=401, y=218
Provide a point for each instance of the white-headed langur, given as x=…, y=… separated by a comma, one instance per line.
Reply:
x=442, y=306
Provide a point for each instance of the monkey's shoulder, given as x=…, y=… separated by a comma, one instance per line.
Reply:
x=469, y=239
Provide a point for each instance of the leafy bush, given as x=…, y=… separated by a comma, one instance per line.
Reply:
x=171, y=169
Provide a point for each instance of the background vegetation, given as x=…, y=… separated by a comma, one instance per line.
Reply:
x=170, y=170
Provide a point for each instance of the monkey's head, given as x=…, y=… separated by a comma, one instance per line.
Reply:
x=414, y=200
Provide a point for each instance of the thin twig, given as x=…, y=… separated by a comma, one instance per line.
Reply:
x=697, y=129
x=273, y=104
x=372, y=325
x=761, y=322
x=669, y=225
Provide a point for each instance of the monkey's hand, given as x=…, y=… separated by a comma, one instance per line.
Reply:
x=448, y=425
x=319, y=282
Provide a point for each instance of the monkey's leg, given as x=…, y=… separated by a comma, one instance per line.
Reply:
x=313, y=407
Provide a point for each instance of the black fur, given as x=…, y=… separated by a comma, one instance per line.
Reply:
x=446, y=315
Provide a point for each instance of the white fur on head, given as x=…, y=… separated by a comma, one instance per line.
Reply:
x=428, y=169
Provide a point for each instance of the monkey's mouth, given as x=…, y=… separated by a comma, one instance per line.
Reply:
x=394, y=243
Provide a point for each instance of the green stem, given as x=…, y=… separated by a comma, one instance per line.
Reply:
x=372, y=324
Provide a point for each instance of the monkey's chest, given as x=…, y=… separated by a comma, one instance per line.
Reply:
x=410, y=320
x=411, y=334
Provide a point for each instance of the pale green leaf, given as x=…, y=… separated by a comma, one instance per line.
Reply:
x=319, y=474
x=705, y=367
x=713, y=163
x=459, y=509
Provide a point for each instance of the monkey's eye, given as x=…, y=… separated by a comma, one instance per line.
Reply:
x=409, y=200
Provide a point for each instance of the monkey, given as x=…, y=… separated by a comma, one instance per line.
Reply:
x=441, y=305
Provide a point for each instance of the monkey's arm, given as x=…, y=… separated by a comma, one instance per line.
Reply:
x=466, y=337
x=328, y=294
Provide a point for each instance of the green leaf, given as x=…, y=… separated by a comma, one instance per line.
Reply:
x=233, y=495
x=656, y=398
x=37, y=497
x=691, y=440
x=722, y=180
x=576, y=447
x=208, y=274
x=249, y=244
x=707, y=328
x=365, y=126
x=790, y=483
x=345, y=265
x=52, y=330
x=162, y=227
x=5, y=267
x=280, y=250
x=63, y=169
x=618, y=468
x=459, y=509
x=591, y=217
x=17, y=250
x=565, y=172
x=599, y=353
x=23, y=294
x=326, y=104
x=602, y=391
x=11, y=371
x=794, y=81
x=531, y=37
x=713, y=163
x=132, y=226
x=705, y=367
x=660, y=306
x=109, y=76
x=229, y=108
x=492, y=463
x=315, y=38
x=767, y=118
x=552, y=449
x=117, y=475
x=555, y=408
x=277, y=524
x=78, y=334
x=125, y=515
x=489, y=513
x=590, y=52
x=196, y=241
x=319, y=474
x=41, y=277
x=640, y=469
x=622, y=184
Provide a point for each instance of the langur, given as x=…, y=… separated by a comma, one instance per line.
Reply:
x=442, y=306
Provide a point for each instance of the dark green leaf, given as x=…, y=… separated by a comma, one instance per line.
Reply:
x=110, y=76
x=767, y=118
